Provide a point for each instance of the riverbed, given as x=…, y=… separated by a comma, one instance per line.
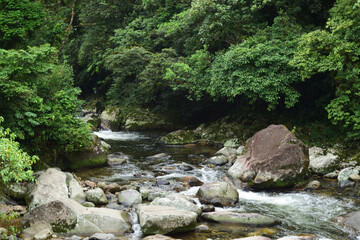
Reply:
x=301, y=212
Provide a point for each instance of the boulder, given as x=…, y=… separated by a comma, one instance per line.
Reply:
x=50, y=186
x=110, y=118
x=94, y=156
x=51, y=208
x=179, y=201
x=347, y=172
x=164, y=219
x=320, y=163
x=248, y=219
x=160, y=156
x=129, y=197
x=351, y=221
x=112, y=188
x=180, y=137
x=75, y=190
x=96, y=196
x=273, y=158
x=218, y=194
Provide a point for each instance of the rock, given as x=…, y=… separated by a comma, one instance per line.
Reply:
x=56, y=215
x=160, y=182
x=50, y=185
x=347, y=172
x=19, y=209
x=74, y=237
x=109, y=117
x=333, y=174
x=240, y=150
x=156, y=193
x=94, y=156
x=106, y=146
x=218, y=194
x=253, y=238
x=179, y=201
x=159, y=237
x=160, y=156
x=218, y=160
x=102, y=236
x=75, y=190
x=17, y=191
x=3, y=231
x=42, y=235
x=354, y=177
x=191, y=181
x=351, y=221
x=144, y=191
x=313, y=185
x=315, y=152
x=324, y=164
x=90, y=184
x=117, y=158
x=227, y=152
x=51, y=208
x=207, y=208
x=129, y=197
x=273, y=158
x=300, y=237
x=202, y=228
x=113, y=188
x=346, y=183
x=88, y=204
x=180, y=137
x=248, y=219
x=232, y=143
x=96, y=196
x=163, y=220
x=102, y=185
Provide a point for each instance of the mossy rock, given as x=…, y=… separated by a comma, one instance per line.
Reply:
x=180, y=137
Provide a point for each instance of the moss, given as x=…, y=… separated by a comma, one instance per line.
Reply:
x=81, y=160
x=180, y=137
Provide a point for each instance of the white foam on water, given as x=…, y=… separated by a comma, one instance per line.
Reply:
x=120, y=136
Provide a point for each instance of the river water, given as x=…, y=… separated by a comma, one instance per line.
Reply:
x=300, y=212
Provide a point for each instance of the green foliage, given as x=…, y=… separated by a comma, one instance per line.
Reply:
x=137, y=72
x=18, y=19
x=15, y=164
x=336, y=51
x=39, y=102
x=257, y=68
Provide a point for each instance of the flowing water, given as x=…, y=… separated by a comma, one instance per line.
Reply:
x=300, y=212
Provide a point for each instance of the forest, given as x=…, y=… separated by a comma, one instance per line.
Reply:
x=191, y=62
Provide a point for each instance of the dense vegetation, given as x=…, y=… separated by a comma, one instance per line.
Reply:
x=298, y=60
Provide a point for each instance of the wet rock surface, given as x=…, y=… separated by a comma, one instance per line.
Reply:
x=218, y=194
x=274, y=157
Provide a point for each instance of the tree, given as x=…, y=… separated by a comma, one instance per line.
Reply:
x=39, y=101
x=336, y=51
x=18, y=19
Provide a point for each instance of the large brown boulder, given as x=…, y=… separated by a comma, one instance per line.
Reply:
x=273, y=158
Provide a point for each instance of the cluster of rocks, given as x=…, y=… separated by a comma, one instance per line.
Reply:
x=272, y=158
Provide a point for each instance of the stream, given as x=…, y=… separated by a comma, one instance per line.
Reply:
x=300, y=212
